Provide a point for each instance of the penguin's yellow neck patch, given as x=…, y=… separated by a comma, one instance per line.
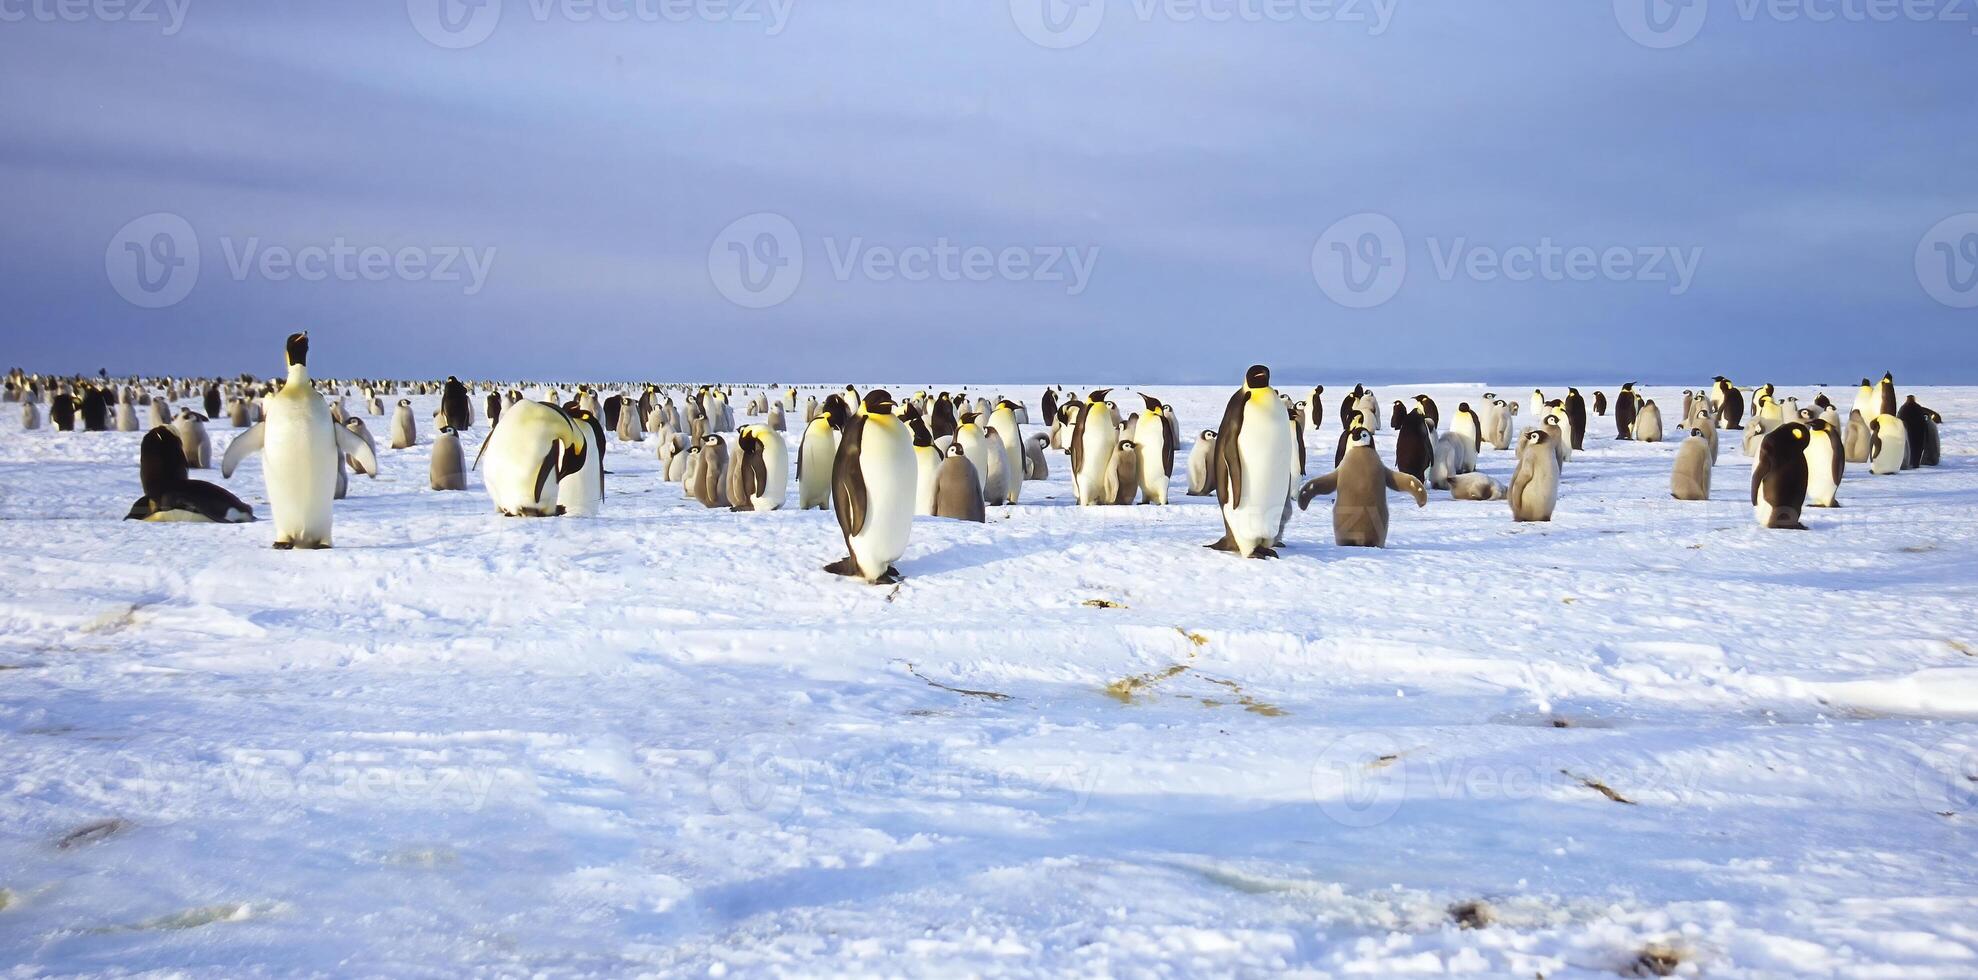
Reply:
x=1260, y=395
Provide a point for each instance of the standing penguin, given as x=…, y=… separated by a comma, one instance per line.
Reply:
x=1600, y=403
x=872, y=491
x=1093, y=442
x=1729, y=402
x=30, y=416
x=1919, y=424
x=448, y=470
x=1826, y=463
x=996, y=475
x=711, y=478
x=1360, y=517
x=1691, y=478
x=453, y=404
x=1202, y=465
x=927, y=464
x=1009, y=432
x=1626, y=404
x=404, y=432
x=1155, y=437
x=1885, y=395
x=817, y=452
x=957, y=493
x=62, y=412
x=1778, y=479
x=1126, y=479
x=191, y=429
x=764, y=466
x=302, y=448
x=494, y=409
x=1856, y=438
x=1253, y=466
x=1648, y=422
x=1888, y=445
x=1535, y=485
x=1414, y=448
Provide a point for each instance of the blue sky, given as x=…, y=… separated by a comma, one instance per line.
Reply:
x=831, y=190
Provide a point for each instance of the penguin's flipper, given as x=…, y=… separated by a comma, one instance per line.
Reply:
x=1229, y=457
x=246, y=444
x=549, y=467
x=848, y=481
x=1167, y=451
x=1759, y=471
x=139, y=511
x=362, y=458
x=1319, y=485
x=1403, y=483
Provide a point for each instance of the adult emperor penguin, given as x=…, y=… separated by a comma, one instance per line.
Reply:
x=1009, y=432
x=927, y=464
x=1576, y=412
x=1468, y=427
x=1155, y=435
x=1626, y=404
x=1253, y=466
x=1888, y=445
x=1865, y=401
x=817, y=452
x=1826, y=464
x=454, y=405
x=1920, y=432
x=1885, y=394
x=765, y=468
x=1729, y=402
x=404, y=432
x=1600, y=403
x=1690, y=480
x=528, y=454
x=1778, y=479
x=1360, y=518
x=170, y=496
x=1535, y=484
x=1093, y=442
x=448, y=468
x=872, y=491
x=301, y=449
x=1414, y=445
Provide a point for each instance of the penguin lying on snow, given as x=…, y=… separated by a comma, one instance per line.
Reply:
x=170, y=496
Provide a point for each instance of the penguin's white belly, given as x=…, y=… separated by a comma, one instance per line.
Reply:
x=1820, y=487
x=891, y=478
x=1151, y=435
x=1096, y=473
x=819, y=451
x=1264, y=451
x=927, y=465
x=299, y=464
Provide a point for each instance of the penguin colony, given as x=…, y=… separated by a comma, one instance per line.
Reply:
x=877, y=461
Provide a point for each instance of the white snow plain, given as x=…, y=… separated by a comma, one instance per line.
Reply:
x=663, y=741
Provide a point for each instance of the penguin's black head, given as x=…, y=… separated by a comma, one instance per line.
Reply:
x=144, y=508
x=298, y=349
x=1462, y=406
x=1360, y=437
x=1153, y=404
x=878, y=402
x=1128, y=444
x=1209, y=434
x=1259, y=376
x=748, y=443
x=1099, y=395
x=921, y=437
x=1536, y=437
x=1890, y=378
x=955, y=449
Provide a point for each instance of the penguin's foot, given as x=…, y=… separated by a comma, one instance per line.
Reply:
x=891, y=576
x=844, y=566
x=284, y=545
x=1264, y=553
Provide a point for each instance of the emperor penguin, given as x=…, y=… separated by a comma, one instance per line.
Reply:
x=536, y=445
x=1126, y=478
x=1360, y=517
x=1036, y=465
x=776, y=416
x=1600, y=403
x=494, y=408
x=237, y=414
x=975, y=442
x=927, y=465
x=1778, y=479
x=1648, y=422
x=1729, y=403
x=191, y=429
x=873, y=481
x=1202, y=465
x=1318, y=407
x=1369, y=406
x=1155, y=437
x=302, y=449
x=1826, y=464
x=1865, y=400
x=996, y=475
x=1468, y=428
x=1009, y=433
x=30, y=416
x=1253, y=466
x=404, y=432
x=1885, y=394
x=818, y=451
x=711, y=476
x=1856, y=437
x=1888, y=445
x=957, y=493
x=170, y=496
x=161, y=412
x=454, y=404
x=126, y=415
x=1535, y=484
x=1690, y=480
x=1093, y=441
x=1626, y=404
x=448, y=469
x=1414, y=449
x=1920, y=432
x=1474, y=486
x=765, y=465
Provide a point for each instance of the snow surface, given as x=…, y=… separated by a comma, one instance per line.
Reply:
x=663, y=741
